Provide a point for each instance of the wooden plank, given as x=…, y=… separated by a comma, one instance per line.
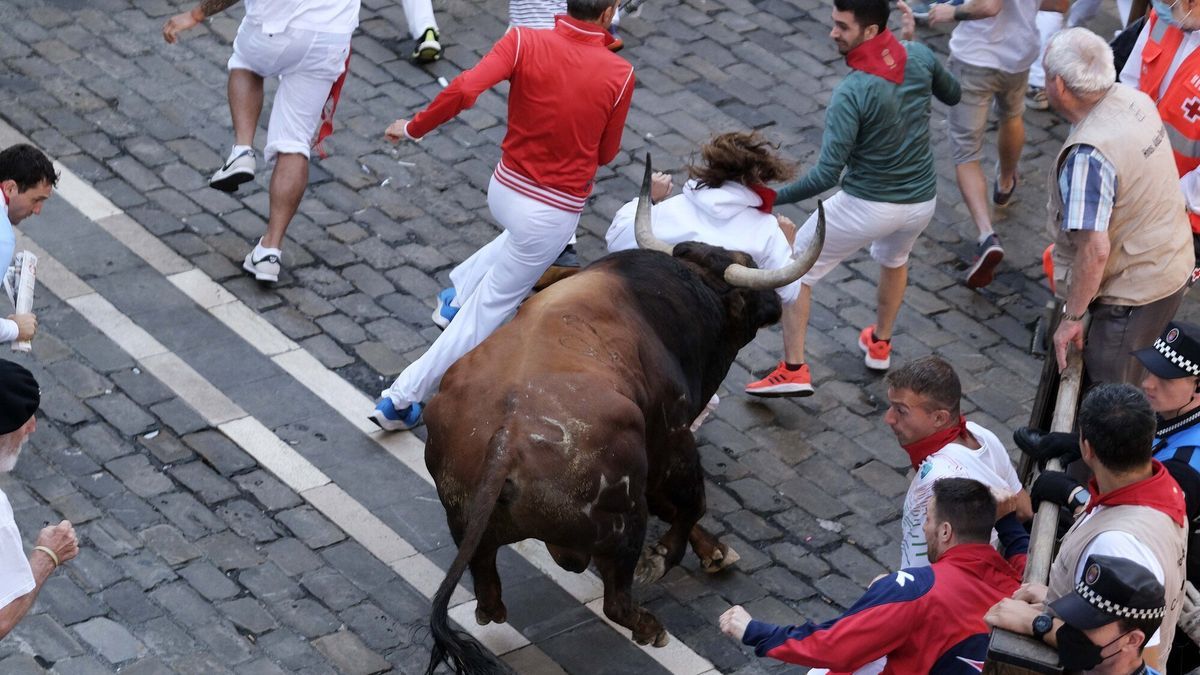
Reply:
x=1009, y=653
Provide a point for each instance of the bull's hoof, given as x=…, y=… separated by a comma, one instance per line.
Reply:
x=483, y=617
x=651, y=566
x=720, y=560
x=662, y=639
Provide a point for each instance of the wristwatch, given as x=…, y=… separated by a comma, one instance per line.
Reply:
x=1067, y=316
x=1042, y=623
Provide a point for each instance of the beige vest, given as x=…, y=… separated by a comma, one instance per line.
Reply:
x=1155, y=530
x=1149, y=233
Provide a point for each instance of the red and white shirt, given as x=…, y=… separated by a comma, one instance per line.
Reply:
x=566, y=108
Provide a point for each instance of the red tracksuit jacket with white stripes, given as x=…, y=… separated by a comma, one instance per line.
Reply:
x=566, y=107
x=923, y=619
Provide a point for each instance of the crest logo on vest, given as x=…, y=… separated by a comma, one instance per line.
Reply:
x=1191, y=108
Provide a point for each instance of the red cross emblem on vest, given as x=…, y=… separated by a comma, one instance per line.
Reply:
x=1191, y=109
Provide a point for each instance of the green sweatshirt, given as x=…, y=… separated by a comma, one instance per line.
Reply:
x=879, y=133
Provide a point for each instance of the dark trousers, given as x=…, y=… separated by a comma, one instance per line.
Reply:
x=1117, y=330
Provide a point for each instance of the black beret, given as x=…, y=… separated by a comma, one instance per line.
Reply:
x=19, y=396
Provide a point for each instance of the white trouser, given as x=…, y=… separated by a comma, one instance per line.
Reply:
x=307, y=64
x=1082, y=11
x=491, y=284
x=1048, y=23
x=419, y=16
x=889, y=229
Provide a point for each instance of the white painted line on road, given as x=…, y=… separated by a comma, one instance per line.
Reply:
x=282, y=460
x=327, y=385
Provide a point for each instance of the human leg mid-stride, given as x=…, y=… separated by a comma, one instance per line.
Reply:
x=534, y=235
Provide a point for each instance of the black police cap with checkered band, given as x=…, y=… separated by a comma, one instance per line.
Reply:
x=1112, y=588
x=1175, y=354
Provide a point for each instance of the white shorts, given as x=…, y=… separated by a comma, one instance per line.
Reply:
x=852, y=223
x=307, y=64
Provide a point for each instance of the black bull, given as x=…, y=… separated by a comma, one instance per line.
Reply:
x=572, y=421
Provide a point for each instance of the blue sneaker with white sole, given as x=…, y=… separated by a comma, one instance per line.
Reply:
x=390, y=419
x=444, y=313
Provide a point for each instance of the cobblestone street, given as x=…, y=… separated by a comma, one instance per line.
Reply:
x=207, y=435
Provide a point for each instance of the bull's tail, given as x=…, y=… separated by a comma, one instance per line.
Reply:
x=463, y=652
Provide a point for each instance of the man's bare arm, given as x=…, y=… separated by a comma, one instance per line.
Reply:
x=188, y=20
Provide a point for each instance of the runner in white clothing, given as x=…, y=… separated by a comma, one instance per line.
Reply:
x=305, y=44
x=724, y=204
x=988, y=464
x=924, y=414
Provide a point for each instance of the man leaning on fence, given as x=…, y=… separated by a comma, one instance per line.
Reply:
x=1123, y=247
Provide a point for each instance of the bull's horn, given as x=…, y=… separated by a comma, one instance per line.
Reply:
x=642, y=230
x=748, y=277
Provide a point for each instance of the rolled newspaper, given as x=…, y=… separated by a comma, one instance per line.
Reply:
x=26, y=267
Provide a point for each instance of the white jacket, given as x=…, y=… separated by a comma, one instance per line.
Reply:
x=727, y=216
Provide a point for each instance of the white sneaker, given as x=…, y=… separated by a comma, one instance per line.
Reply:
x=237, y=170
x=265, y=267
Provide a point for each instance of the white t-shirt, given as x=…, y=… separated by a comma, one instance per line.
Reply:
x=1131, y=76
x=1121, y=545
x=727, y=216
x=1007, y=42
x=989, y=465
x=322, y=16
x=16, y=578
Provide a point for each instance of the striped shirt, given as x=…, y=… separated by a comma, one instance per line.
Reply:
x=1088, y=183
x=535, y=13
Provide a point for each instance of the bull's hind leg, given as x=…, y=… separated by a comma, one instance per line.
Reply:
x=616, y=570
x=489, y=607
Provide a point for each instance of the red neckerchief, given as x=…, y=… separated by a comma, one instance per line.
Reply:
x=1159, y=491
x=766, y=194
x=882, y=55
x=326, y=129
x=919, y=451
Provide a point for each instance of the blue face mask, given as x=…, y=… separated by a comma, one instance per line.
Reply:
x=1163, y=9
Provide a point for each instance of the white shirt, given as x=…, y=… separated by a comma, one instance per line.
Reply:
x=727, y=216
x=1121, y=545
x=322, y=16
x=1007, y=42
x=989, y=465
x=8, y=243
x=16, y=578
x=1131, y=75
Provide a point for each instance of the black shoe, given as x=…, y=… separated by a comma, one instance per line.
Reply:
x=1044, y=446
x=988, y=255
x=1002, y=198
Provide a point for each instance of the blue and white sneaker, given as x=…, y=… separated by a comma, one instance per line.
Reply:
x=390, y=419
x=444, y=313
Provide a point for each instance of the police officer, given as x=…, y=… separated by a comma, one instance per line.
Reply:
x=1102, y=626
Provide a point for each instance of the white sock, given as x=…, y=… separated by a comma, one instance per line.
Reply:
x=239, y=149
x=983, y=237
x=260, y=250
